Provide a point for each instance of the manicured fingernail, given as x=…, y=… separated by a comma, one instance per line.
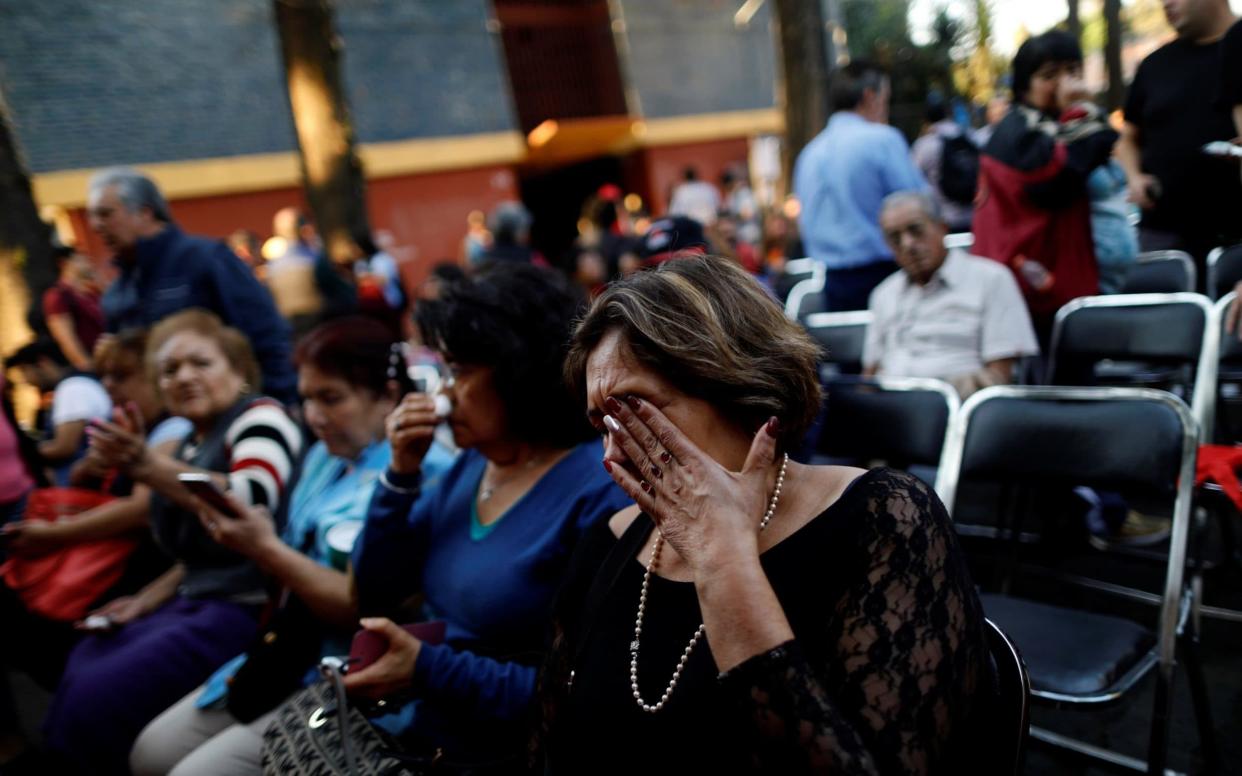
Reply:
x=612, y=424
x=656, y=471
x=612, y=404
x=634, y=402
x=666, y=456
x=608, y=466
x=774, y=427
x=646, y=486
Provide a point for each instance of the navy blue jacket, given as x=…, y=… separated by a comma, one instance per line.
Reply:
x=174, y=271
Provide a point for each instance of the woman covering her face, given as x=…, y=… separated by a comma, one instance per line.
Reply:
x=748, y=613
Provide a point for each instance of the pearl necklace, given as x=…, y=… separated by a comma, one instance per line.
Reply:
x=698, y=634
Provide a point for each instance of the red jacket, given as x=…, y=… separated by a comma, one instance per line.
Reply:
x=1032, y=201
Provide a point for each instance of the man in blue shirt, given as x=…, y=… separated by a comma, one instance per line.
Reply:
x=841, y=178
x=164, y=270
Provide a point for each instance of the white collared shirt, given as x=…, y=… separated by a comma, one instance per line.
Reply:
x=969, y=313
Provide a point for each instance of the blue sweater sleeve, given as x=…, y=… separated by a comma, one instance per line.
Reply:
x=387, y=549
x=483, y=687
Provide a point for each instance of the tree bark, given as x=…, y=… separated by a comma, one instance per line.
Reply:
x=1073, y=21
x=331, y=172
x=1112, y=54
x=26, y=264
x=806, y=73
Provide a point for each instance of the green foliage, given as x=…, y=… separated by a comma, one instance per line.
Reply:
x=879, y=30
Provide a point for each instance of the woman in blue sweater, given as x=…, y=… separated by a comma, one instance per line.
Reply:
x=488, y=545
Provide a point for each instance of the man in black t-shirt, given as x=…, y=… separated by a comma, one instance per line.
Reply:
x=1190, y=200
x=1231, y=75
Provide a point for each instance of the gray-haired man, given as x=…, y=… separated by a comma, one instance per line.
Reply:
x=164, y=270
x=946, y=314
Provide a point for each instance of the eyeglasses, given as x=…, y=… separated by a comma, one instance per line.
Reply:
x=917, y=230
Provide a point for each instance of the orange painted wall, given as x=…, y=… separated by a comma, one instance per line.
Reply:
x=426, y=214
x=666, y=163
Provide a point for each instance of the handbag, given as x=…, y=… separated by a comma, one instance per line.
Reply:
x=276, y=662
x=63, y=585
x=318, y=733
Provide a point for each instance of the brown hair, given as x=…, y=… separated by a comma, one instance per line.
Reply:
x=711, y=330
x=120, y=353
x=233, y=344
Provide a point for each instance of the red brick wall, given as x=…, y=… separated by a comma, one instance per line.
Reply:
x=426, y=214
x=665, y=164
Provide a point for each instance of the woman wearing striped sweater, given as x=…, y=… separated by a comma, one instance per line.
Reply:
x=168, y=638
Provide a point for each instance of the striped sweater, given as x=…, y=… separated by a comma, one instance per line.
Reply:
x=257, y=443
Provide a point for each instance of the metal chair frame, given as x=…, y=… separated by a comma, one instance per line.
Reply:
x=1179, y=257
x=1203, y=397
x=1176, y=625
x=1213, y=269
x=1013, y=679
x=852, y=319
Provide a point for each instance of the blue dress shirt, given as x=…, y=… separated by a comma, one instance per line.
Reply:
x=841, y=178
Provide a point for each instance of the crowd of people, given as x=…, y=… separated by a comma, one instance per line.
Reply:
x=598, y=508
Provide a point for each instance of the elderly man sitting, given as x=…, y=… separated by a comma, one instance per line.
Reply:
x=946, y=314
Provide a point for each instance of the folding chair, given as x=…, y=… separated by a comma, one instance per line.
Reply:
x=1141, y=340
x=1011, y=725
x=794, y=272
x=1049, y=437
x=842, y=336
x=898, y=420
x=1224, y=270
x=806, y=298
x=1160, y=272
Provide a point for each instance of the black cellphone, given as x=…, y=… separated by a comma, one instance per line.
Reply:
x=399, y=371
x=204, y=487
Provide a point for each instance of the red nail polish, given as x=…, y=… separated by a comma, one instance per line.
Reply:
x=608, y=466
x=634, y=402
x=613, y=405
x=646, y=486
x=774, y=427
x=656, y=471
x=666, y=456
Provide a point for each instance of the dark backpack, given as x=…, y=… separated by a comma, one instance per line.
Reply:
x=959, y=169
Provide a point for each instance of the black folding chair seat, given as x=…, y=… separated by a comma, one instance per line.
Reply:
x=1095, y=659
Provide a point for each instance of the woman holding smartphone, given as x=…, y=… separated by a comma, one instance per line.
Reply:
x=350, y=379
x=171, y=635
x=488, y=545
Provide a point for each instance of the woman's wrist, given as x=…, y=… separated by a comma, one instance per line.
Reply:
x=407, y=482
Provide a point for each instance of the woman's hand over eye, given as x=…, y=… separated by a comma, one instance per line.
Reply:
x=708, y=514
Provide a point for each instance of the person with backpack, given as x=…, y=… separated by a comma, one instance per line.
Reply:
x=949, y=160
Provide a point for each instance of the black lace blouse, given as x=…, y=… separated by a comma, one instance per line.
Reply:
x=883, y=676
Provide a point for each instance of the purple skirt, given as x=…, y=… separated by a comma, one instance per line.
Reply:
x=116, y=683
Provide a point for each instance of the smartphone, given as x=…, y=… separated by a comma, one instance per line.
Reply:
x=98, y=623
x=368, y=646
x=204, y=487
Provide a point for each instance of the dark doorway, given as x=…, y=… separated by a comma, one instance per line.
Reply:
x=555, y=197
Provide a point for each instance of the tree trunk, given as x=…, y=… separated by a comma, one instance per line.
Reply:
x=25, y=240
x=1112, y=54
x=1072, y=21
x=331, y=172
x=805, y=67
